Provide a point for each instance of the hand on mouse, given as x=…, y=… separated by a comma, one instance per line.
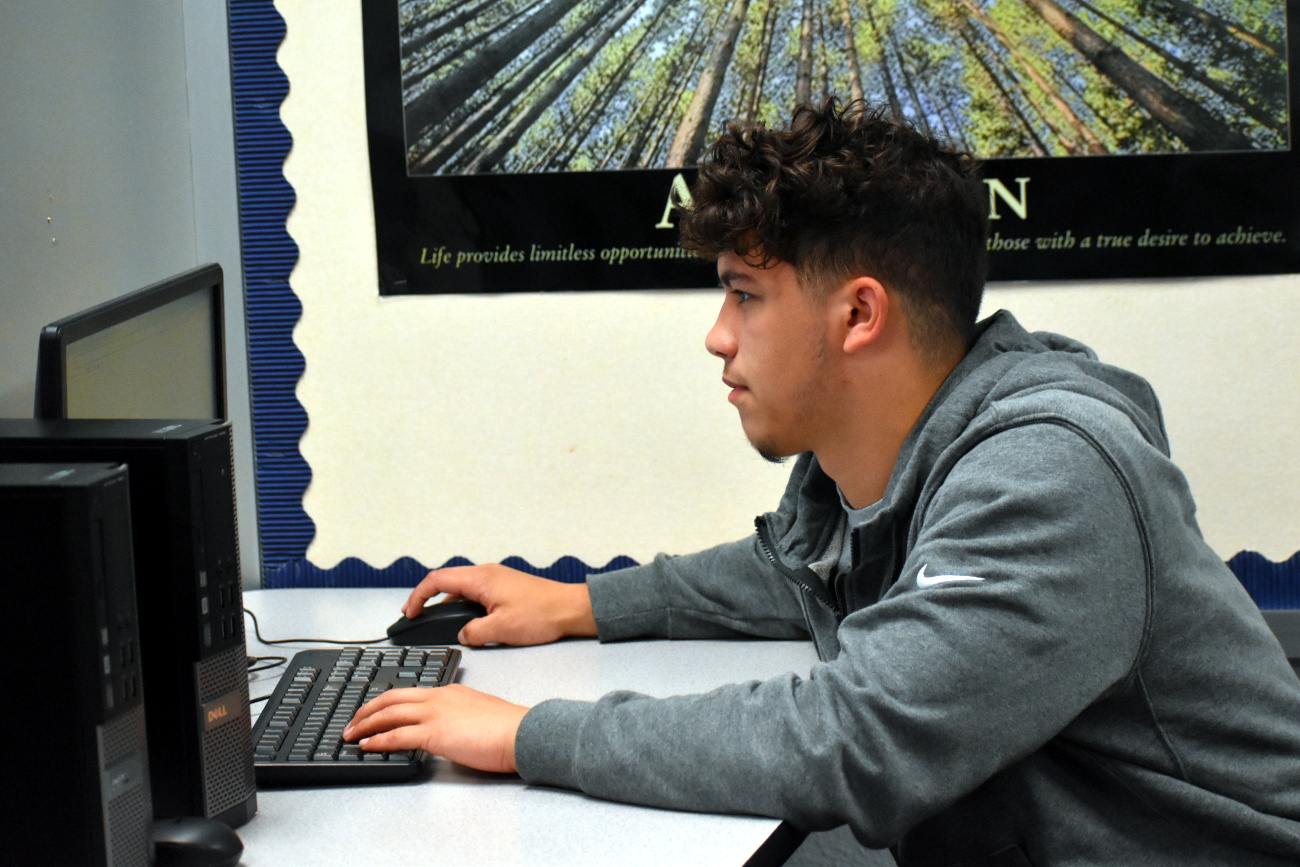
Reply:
x=522, y=609
x=454, y=721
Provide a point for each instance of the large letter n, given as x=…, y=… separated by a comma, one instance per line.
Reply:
x=997, y=190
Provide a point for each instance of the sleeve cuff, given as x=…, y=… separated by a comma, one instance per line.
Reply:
x=625, y=603
x=546, y=743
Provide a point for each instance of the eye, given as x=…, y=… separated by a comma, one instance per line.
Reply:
x=741, y=297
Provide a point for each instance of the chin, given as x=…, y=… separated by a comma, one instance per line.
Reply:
x=770, y=456
x=769, y=448
x=769, y=451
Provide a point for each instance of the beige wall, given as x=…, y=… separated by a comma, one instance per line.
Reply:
x=595, y=424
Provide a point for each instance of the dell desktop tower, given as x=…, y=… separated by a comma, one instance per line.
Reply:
x=77, y=784
x=189, y=595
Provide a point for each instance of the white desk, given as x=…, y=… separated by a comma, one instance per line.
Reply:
x=454, y=816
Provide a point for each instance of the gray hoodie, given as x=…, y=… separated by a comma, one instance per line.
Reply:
x=1035, y=658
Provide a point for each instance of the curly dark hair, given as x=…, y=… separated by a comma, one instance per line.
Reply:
x=849, y=190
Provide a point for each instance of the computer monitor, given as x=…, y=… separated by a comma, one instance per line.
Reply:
x=157, y=352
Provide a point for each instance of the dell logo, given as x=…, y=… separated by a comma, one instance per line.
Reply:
x=223, y=710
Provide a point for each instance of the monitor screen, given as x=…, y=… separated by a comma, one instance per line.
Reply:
x=158, y=352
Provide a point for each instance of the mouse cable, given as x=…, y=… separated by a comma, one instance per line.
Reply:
x=257, y=632
x=271, y=662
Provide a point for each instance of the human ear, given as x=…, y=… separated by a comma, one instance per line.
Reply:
x=867, y=311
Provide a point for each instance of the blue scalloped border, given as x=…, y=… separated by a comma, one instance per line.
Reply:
x=1272, y=585
x=275, y=365
x=406, y=572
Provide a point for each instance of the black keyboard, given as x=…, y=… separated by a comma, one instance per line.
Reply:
x=298, y=739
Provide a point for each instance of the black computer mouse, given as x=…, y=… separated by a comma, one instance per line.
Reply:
x=195, y=842
x=436, y=624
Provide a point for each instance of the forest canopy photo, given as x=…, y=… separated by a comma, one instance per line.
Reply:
x=543, y=86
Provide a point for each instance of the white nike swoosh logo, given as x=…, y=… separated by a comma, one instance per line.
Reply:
x=923, y=580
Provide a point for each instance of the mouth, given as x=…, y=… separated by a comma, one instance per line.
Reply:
x=736, y=389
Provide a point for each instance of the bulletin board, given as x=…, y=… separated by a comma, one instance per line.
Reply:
x=569, y=430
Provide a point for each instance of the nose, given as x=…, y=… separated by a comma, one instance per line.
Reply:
x=720, y=340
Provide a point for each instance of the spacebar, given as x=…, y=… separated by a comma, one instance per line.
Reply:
x=318, y=773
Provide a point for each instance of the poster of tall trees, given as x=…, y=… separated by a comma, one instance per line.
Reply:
x=542, y=144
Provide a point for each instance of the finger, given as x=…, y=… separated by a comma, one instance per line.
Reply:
x=453, y=580
x=385, y=700
x=431, y=585
x=427, y=588
x=405, y=738
x=381, y=715
x=479, y=631
x=364, y=712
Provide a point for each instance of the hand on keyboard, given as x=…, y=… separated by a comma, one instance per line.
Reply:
x=522, y=609
x=454, y=721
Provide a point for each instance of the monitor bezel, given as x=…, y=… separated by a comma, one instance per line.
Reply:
x=51, y=358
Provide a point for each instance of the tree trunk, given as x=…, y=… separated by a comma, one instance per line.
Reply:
x=851, y=52
x=913, y=96
x=1069, y=145
x=689, y=141
x=431, y=11
x=1089, y=139
x=1224, y=26
x=1035, y=143
x=442, y=98
x=803, y=70
x=447, y=26
x=760, y=71
x=1195, y=126
x=668, y=96
x=442, y=153
x=1083, y=98
x=823, y=68
x=536, y=70
x=595, y=108
x=461, y=49
x=509, y=137
x=895, y=106
x=667, y=126
x=953, y=124
x=1258, y=114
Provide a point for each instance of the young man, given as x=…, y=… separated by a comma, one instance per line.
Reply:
x=1029, y=654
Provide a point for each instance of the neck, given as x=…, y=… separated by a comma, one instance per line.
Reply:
x=861, y=457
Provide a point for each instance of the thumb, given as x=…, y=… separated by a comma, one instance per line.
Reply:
x=476, y=632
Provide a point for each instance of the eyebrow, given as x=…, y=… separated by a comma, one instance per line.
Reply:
x=730, y=276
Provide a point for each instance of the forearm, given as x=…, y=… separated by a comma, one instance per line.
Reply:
x=723, y=592
x=743, y=749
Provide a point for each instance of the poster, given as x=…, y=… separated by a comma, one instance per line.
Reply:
x=536, y=145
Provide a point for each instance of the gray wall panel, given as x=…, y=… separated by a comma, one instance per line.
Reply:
x=116, y=170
